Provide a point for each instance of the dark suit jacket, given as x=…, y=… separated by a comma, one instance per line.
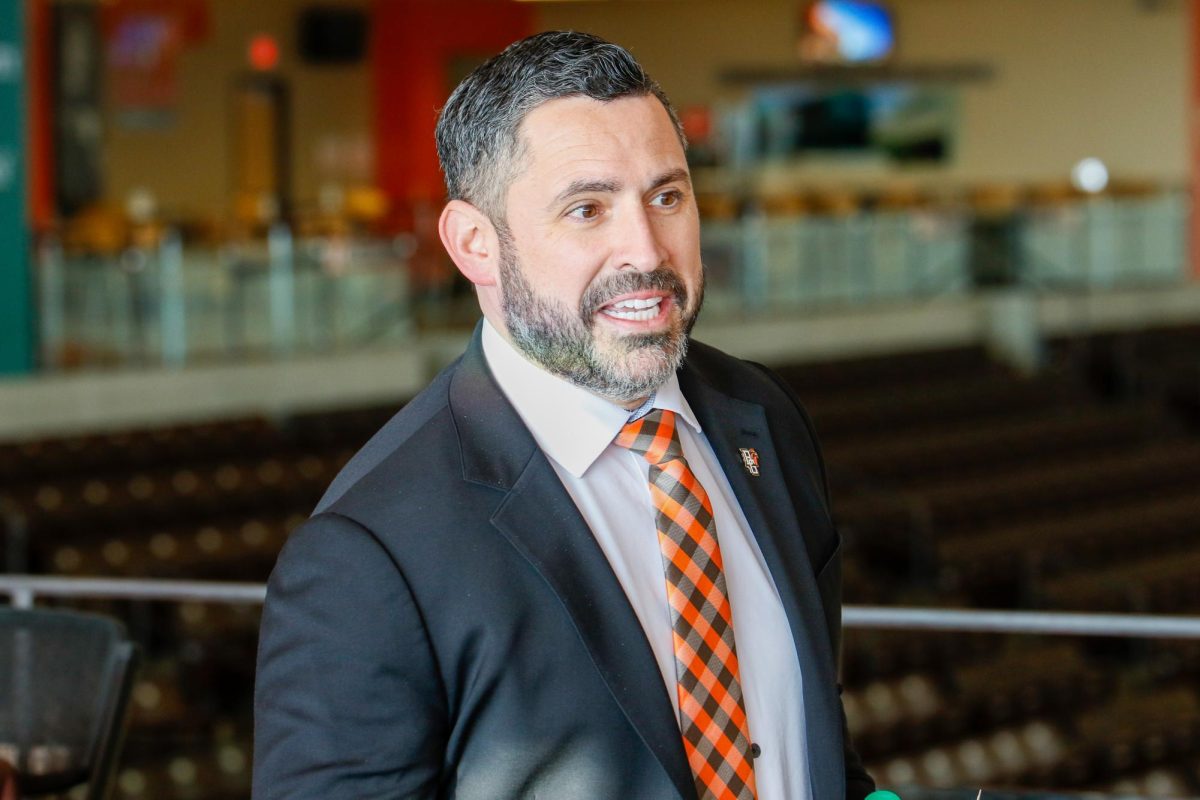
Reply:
x=446, y=626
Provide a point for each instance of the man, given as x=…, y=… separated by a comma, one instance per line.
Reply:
x=528, y=583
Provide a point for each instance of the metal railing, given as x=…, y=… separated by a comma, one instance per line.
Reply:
x=24, y=590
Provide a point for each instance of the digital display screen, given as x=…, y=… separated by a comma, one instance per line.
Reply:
x=851, y=31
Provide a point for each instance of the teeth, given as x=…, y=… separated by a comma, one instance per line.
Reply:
x=649, y=313
x=627, y=304
x=635, y=310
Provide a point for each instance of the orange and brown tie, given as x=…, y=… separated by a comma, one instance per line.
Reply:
x=712, y=716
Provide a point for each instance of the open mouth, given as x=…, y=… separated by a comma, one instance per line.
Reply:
x=635, y=309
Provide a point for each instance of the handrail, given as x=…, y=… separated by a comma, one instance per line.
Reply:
x=1055, y=623
x=23, y=590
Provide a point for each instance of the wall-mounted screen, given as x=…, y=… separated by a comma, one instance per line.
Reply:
x=846, y=32
x=896, y=123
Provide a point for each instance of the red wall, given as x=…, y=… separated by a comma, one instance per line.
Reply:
x=40, y=171
x=413, y=45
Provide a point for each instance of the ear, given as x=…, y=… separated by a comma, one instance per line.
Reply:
x=470, y=238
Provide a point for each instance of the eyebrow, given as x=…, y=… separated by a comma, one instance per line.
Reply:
x=586, y=186
x=603, y=186
x=671, y=176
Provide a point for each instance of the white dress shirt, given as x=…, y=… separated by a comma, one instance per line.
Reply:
x=610, y=486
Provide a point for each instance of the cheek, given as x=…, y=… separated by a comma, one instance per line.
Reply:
x=682, y=239
x=563, y=273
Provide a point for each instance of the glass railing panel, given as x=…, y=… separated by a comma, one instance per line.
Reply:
x=177, y=303
x=1106, y=242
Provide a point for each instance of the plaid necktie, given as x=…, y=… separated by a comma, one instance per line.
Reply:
x=716, y=737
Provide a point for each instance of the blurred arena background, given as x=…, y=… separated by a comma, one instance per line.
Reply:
x=963, y=230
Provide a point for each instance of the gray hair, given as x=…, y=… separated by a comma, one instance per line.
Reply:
x=478, y=129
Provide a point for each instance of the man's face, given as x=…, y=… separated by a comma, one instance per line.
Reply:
x=600, y=268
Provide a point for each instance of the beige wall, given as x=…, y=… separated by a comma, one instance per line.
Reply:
x=1074, y=78
x=188, y=165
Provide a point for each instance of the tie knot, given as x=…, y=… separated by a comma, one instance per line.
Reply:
x=653, y=436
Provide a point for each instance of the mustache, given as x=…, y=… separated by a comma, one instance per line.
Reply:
x=660, y=279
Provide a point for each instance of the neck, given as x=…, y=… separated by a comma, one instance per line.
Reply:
x=634, y=405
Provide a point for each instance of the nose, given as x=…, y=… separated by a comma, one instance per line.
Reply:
x=640, y=244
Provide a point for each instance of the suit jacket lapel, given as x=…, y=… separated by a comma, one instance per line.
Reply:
x=778, y=517
x=540, y=520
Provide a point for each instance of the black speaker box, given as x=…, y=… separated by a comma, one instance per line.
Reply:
x=332, y=35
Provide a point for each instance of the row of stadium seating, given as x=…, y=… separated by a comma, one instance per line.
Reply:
x=1072, y=490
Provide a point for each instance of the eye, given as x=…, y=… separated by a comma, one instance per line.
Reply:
x=585, y=211
x=668, y=199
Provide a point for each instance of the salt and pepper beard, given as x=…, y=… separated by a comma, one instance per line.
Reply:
x=621, y=368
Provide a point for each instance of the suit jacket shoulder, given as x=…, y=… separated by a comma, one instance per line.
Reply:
x=752, y=382
x=417, y=413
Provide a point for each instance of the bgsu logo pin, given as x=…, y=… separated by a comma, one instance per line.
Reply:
x=749, y=460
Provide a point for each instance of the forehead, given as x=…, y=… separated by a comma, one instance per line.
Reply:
x=568, y=138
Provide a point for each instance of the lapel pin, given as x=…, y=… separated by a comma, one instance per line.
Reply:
x=749, y=460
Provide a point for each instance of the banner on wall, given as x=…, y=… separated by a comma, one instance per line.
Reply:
x=143, y=40
x=77, y=100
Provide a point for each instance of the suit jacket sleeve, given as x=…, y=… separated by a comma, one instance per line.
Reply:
x=347, y=699
x=858, y=781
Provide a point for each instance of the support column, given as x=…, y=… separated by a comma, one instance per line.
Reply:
x=16, y=295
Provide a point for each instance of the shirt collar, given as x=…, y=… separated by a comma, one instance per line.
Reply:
x=570, y=424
